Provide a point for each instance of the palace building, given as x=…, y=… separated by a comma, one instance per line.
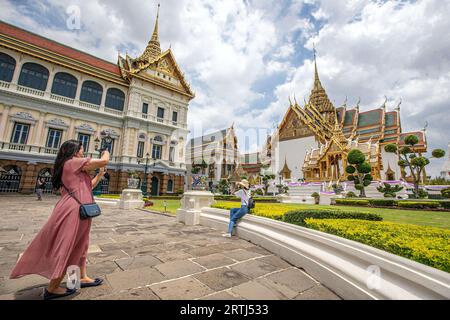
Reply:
x=215, y=155
x=50, y=93
x=312, y=142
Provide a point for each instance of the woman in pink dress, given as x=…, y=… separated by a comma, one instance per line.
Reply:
x=64, y=240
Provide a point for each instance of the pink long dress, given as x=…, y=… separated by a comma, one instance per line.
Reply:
x=64, y=240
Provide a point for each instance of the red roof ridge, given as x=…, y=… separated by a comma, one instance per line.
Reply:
x=57, y=47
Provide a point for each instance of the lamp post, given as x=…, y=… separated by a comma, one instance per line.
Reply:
x=144, y=184
x=105, y=145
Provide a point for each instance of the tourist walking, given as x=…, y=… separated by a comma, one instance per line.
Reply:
x=64, y=239
x=40, y=188
x=238, y=213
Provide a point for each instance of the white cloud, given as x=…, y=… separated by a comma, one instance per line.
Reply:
x=366, y=49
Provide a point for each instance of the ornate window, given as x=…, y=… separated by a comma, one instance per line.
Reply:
x=20, y=133
x=170, y=185
x=65, y=85
x=91, y=92
x=115, y=99
x=157, y=152
x=34, y=76
x=7, y=66
x=84, y=139
x=160, y=114
x=54, y=138
x=140, y=149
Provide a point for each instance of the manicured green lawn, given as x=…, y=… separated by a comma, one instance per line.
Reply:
x=158, y=205
x=416, y=217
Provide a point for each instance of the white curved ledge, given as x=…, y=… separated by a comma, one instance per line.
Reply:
x=340, y=264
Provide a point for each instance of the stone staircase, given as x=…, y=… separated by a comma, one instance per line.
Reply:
x=301, y=194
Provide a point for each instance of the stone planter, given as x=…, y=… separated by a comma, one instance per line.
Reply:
x=133, y=183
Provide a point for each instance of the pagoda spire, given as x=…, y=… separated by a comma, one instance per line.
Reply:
x=153, y=50
x=317, y=83
x=319, y=97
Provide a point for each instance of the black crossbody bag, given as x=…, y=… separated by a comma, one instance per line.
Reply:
x=87, y=211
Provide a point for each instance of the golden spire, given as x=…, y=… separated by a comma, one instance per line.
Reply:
x=319, y=97
x=153, y=50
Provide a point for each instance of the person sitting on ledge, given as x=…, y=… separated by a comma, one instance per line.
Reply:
x=238, y=213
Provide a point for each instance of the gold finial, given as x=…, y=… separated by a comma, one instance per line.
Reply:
x=385, y=101
x=399, y=104
x=290, y=101
x=153, y=49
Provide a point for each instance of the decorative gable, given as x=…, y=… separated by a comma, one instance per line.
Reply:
x=292, y=128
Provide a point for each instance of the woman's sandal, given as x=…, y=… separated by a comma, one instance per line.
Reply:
x=50, y=296
x=95, y=283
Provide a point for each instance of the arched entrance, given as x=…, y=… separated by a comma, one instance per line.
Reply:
x=155, y=186
x=10, y=179
x=105, y=183
x=46, y=174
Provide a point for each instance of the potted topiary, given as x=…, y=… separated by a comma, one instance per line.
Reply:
x=133, y=180
x=316, y=197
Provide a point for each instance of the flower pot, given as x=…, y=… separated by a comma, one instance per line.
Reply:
x=133, y=183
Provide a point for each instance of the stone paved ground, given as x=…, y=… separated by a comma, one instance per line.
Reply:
x=149, y=256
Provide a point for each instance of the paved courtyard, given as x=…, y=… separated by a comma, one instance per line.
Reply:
x=143, y=255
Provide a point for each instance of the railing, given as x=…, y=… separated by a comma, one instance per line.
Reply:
x=4, y=84
x=89, y=106
x=62, y=99
x=30, y=91
x=29, y=149
x=112, y=111
x=85, y=105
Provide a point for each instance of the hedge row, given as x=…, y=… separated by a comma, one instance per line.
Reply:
x=298, y=217
x=394, y=203
x=234, y=198
x=427, y=245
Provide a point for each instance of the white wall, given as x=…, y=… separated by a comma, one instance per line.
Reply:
x=390, y=159
x=295, y=152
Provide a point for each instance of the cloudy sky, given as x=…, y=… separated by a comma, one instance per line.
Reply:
x=244, y=58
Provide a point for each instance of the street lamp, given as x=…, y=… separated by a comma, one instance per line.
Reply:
x=144, y=184
x=105, y=145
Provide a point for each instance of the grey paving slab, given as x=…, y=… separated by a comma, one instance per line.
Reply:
x=256, y=291
x=254, y=269
x=137, y=262
x=133, y=294
x=135, y=278
x=150, y=256
x=318, y=293
x=177, y=269
x=241, y=254
x=214, y=261
x=221, y=279
x=181, y=289
x=224, y=296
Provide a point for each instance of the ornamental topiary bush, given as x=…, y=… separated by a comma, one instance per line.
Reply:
x=446, y=193
x=389, y=191
x=298, y=217
x=351, y=194
x=359, y=171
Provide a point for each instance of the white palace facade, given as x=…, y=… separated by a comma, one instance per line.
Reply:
x=50, y=93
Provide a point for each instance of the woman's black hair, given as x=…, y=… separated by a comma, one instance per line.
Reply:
x=67, y=151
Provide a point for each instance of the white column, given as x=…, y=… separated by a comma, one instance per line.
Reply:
x=71, y=132
x=39, y=130
x=3, y=123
